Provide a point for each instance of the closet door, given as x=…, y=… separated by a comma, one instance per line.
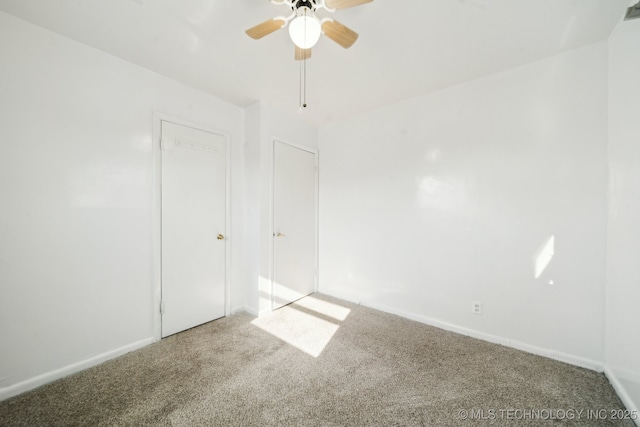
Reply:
x=294, y=216
x=193, y=227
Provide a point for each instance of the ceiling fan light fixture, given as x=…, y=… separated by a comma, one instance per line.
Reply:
x=305, y=31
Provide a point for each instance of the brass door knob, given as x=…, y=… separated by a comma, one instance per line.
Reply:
x=220, y=237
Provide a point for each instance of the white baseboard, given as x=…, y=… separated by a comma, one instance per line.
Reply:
x=623, y=373
x=622, y=393
x=245, y=308
x=32, y=383
x=552, y=354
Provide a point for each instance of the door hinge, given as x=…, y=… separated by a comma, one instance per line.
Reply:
x=162, y=307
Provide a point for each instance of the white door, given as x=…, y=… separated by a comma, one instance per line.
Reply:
x=294, y=226
x=193, y=227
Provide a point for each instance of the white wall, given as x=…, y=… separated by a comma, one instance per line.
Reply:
x=76, y=191
x=453, y=197
x=265, y=124
x=623, y=266
x=253, y=188
x=426, y=205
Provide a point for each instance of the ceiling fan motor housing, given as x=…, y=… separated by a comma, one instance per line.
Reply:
x=310, y=4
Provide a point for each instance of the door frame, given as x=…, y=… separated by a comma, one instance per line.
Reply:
x=273, y=216
x=156, y=299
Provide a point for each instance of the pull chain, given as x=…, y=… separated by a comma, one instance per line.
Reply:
x=303, y=72
x=300, y=89
x=303, y=86
x=304, y=92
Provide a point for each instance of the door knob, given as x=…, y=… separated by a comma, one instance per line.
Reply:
x=279, y=234
x=220, y=237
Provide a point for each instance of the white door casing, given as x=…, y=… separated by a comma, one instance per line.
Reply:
x=193, y=226
x=294, y=223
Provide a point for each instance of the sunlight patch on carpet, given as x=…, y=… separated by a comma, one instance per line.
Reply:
x=327, y=308
x=296, y=324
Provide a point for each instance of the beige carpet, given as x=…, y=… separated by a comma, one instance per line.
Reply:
x=320, y=362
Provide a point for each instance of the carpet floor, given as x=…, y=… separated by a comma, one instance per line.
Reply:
x=321, y=362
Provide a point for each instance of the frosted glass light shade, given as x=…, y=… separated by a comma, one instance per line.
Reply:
x=304, y=31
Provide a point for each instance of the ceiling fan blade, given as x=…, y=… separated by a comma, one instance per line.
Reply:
x=340, y=34
x=343, y=4
x=266, y=28
x=302, y=53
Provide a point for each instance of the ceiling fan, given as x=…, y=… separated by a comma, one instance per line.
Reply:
x=305, y=28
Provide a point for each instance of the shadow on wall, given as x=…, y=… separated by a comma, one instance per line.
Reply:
x=308, y=324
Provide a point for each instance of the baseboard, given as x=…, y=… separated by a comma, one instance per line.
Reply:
x=623, y=373
x=32, y=383
x=622, y=393
x=552, y=354
x=244, y=308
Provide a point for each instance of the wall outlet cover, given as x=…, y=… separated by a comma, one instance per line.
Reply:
x=476, y=307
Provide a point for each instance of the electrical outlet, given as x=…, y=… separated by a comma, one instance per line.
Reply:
x=476, y=307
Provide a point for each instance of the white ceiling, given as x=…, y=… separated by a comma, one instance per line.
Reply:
x=406, y=48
